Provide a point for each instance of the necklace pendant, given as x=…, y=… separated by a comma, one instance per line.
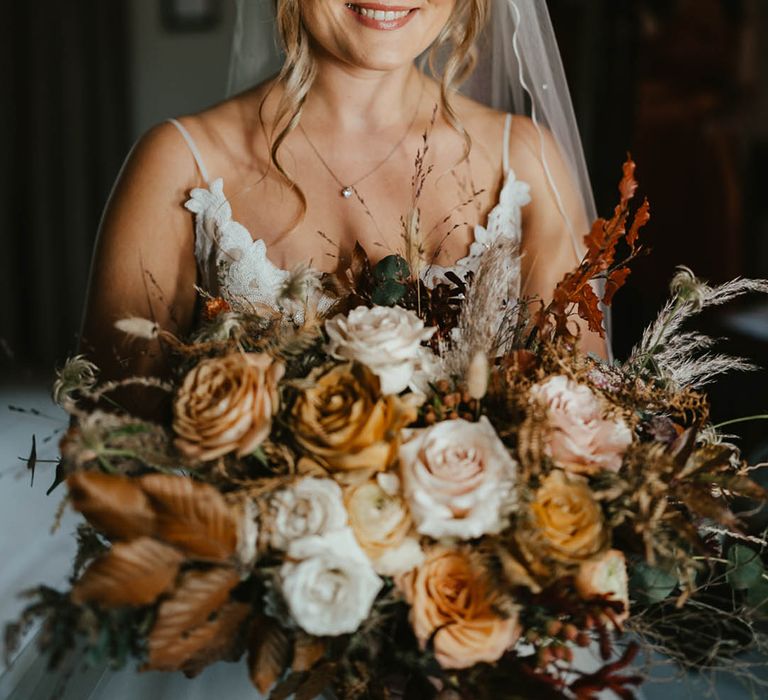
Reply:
x=346, y=192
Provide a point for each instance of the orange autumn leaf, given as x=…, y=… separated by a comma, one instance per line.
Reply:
x=589, y=310
x=132, y=573
x=268, y=653
x=615, y=281
x=188, y=622
x=115, y=505
x=307, y=651
x=192, y=516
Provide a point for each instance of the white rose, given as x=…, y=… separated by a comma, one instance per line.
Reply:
x=458, y=478
x=581, y=440
x=606, y=576
x=386, y=340
x=310, y=507
x=382, y=525
x=328, y=584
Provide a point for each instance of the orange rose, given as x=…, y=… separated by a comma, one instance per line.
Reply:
x=226, y=404
x=569, y=521
x=344, y=423
x=450, y=601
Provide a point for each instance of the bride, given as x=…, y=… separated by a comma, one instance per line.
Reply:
x=295, y=169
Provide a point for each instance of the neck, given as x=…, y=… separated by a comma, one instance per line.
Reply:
x=362, y=101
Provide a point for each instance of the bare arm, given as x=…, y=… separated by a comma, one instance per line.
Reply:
x=548, y=241
x=143, y=263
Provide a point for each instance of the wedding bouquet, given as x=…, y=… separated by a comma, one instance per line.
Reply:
x=411, y=489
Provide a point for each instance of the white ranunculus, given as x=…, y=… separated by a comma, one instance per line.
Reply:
x=458, y=479
x=309, y=507
x=581, y=439
x=606, y=576
x=388, y=340
x=328, y=584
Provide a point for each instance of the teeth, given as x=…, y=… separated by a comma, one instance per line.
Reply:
x=379, y=15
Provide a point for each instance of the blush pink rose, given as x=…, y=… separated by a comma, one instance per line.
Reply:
x=582, y=439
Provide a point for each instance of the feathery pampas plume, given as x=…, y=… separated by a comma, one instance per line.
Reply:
x=496, y=284
x=682, y=358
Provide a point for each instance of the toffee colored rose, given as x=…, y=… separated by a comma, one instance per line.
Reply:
x=581, y=439
x=569, y=521
x=344, y=423
x=458, y=478
x=382, y=525
x=452, y=605
x=226, y=404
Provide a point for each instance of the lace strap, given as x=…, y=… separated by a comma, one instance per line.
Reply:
x=505, y=152
x=192, y=147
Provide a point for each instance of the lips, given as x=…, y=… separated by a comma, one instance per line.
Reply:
x=382, y=17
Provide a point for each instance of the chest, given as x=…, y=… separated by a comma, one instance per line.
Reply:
x=303, y=218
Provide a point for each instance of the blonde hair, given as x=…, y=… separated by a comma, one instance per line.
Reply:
x=457, y=39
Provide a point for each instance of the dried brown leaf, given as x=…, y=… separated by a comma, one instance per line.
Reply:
x=192, y=516
x=317, y=681
x=115, y=505
x=188, y=622
x=268, y=653
x=130, y=573
x=616, y=281
x=307, y=651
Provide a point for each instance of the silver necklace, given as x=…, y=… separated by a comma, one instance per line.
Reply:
x=348, y=190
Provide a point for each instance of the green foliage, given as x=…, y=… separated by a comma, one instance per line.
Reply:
x=745, y=568
x=649, y=584
x=390, y=276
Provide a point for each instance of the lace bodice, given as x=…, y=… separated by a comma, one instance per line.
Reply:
x=237, y=267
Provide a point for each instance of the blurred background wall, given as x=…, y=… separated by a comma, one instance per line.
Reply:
x=682, y=84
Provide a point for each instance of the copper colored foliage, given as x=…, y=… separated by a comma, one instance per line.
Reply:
x=133, y=573
x=193, y=517
x=268, y=653
x=600, y=262
x=197, y=620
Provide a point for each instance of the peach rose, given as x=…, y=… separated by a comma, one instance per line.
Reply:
x=382, y=525
x=606, y=576
x=450, y=601
x=226, y=404
x=344, y=423
x=568, y=519
x=581, y=439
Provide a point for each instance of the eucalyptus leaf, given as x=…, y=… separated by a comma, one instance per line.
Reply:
x=745, y=568
x=388, y=293
x=757, y=596
x=649, y=585
x=393, y=267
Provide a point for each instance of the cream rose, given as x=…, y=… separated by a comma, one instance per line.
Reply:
x=569, y=521
x=328, y=584
x=382, y=524
x=453, y=606
x=387, y=340
x=458, y=479
x=309, y=507
x=581, y=439
x=606, y=576
x=225, y=404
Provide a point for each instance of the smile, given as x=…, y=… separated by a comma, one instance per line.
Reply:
x=381, y=16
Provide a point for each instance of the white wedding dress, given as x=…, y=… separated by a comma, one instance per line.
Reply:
x=231, y=264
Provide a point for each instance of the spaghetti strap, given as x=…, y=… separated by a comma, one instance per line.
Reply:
x=192, y=147
x=505, y=153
